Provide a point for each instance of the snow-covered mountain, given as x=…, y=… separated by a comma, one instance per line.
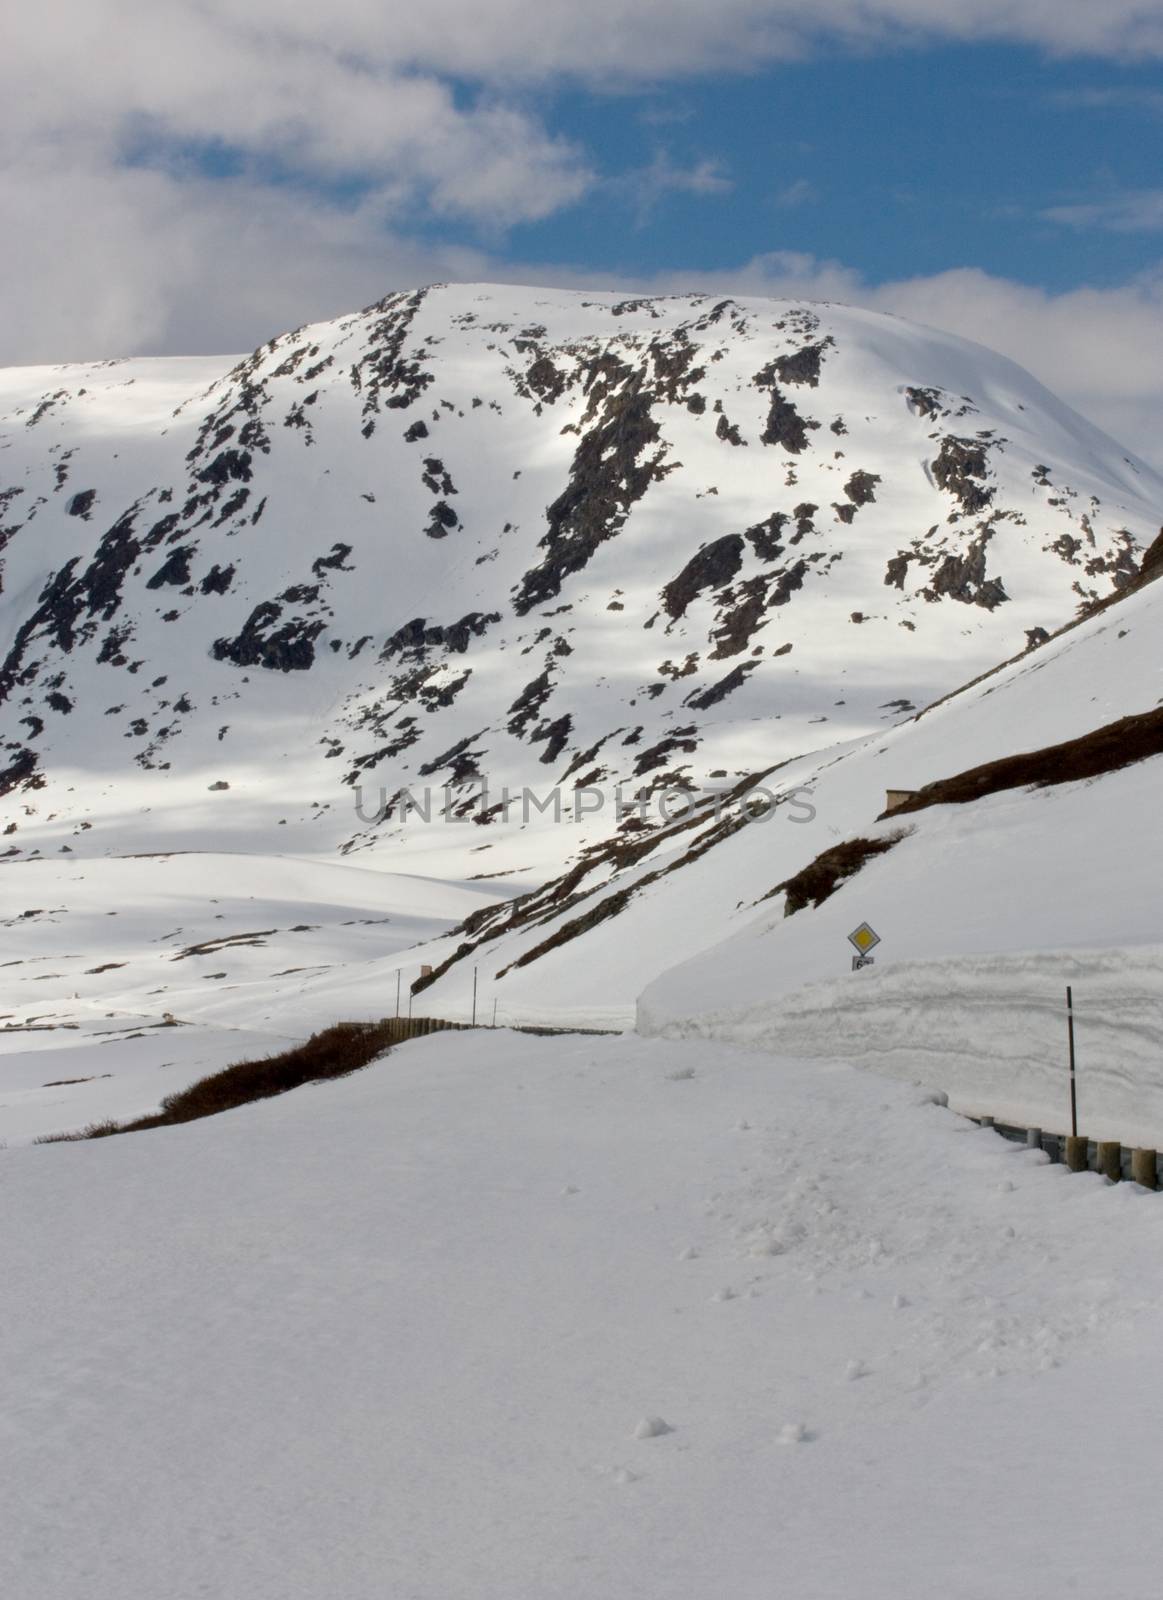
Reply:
x=534, y=539
x=518, y=536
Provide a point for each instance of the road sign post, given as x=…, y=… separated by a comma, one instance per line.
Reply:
x=1070, y=1038
x=863, y=940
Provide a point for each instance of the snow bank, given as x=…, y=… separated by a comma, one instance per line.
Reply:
x=990, y=1030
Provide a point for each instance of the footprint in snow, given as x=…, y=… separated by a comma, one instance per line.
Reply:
x=681, y=1075
x=794, y=1433
x=689, y=1254
x=652, y=1428
x=855, y=1370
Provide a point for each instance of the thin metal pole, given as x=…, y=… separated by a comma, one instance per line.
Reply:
x=494, y=1013
x=409, y=1002
x=399, y=975
x=474, y=997
x=1070, y=1036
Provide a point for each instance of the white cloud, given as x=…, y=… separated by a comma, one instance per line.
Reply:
x=1117, y=97
x=795, y=194
x=102, y=262
x=1133, y=211
x=637, y=39
x=646, y=186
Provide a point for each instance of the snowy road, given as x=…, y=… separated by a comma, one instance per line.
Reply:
x=396, y=1335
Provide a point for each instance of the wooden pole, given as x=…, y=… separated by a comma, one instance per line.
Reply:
x=1070, y=1036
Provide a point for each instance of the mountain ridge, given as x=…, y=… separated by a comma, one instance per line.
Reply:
x=528, y=537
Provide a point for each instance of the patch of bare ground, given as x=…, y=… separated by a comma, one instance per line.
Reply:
x=1106, y=749
x=820, y=879
x=332, y=1053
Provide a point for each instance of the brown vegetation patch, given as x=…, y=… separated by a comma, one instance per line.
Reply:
x=333, y=1053
x=820, y=879
x=1107, y=749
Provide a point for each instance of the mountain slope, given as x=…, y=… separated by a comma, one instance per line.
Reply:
x=520, y=537
x=1067, y=870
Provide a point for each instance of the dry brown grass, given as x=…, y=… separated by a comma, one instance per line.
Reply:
x=332, y=1053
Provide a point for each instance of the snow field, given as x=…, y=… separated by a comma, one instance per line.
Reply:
x=504, y=1316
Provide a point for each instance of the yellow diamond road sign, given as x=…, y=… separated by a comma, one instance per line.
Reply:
x=864, y=938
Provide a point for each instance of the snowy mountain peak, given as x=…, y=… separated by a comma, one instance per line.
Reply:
x=522, y=536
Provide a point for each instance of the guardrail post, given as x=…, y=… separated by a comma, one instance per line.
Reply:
x=1110, y=1159
x=1143, y=1168
x=1075, y=1154
x=1034, y=1138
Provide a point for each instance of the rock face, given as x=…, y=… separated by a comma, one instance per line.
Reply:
x=518, y=536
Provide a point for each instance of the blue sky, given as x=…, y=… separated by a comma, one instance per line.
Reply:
x=895, y=164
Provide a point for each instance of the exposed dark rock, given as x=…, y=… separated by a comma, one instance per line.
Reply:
x=740, y=617
x=685, y=739
x=926, y=402
x=764, y=537
x=386, y=377
x=81, y=504
x=861, y=487
x=20, y=773
x=734, y=679
x=803, y=366
x=227, y=465
x=443, y=520
x=804, y=523
x=608, y=476
x=459, y=759
x=217, y=580
x=175, y=570
x=417, y=637
x=528, y=704
x=436, y=479
x=728, y=431
x=333, y=561
x=711, y=567
x=287, y=648
x=787, y=583
x=960, y=469
x=555, y=736
x=897, y=570
x=964, y=578
x=784, y=425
